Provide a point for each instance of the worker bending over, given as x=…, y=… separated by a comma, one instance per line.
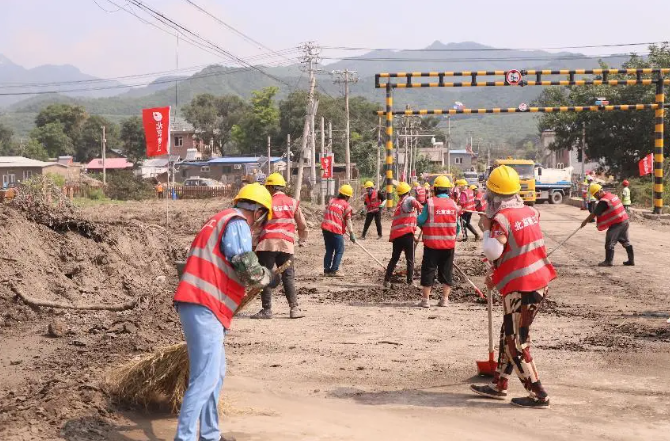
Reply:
x=336, y=220
x=513, y=241
x=466, y=200
x=373, y=201
x=438, y=220
x=403, y=227
x=611, y=216
x=276, y=244
x=219, y=266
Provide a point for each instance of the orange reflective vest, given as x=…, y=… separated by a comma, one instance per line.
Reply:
x=614, y=214
x=372, y=202
x=439, y=231
x=421, y=195
x=335, y=215
x=403, y=223
x=467, y=199
x=523, y=265
x=282, y=224
x=209, y=279
x=480, y=202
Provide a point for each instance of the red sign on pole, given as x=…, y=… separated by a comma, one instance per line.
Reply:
x=327, y=166
x=646, y=165
x=513, y=77
x=156, y=123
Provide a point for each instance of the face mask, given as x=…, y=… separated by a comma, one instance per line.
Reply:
x=260, y=216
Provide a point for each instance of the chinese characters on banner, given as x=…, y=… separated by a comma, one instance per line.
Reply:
x=156, y=123
x=327, y=166
x=646, y=165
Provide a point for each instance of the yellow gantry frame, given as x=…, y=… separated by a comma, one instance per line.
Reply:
x=658, y=105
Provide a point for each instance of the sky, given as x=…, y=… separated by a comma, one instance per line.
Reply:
x=103, y=40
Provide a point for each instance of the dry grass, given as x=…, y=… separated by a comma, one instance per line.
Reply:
x=154, y=379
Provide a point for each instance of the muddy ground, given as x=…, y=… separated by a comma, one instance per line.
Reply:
x=364, y=364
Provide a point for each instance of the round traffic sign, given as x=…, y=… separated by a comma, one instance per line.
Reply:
x=513, y=77
x=523, y=107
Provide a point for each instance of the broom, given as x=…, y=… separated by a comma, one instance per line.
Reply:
x=163, y=376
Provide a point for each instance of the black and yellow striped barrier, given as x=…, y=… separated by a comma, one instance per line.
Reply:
x=517, y=110
x=536, y=80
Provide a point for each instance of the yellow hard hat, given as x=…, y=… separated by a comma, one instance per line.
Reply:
x=368, y=184
x=416, y=183
x=403, y=188
x=275, y=179
x=474, y=187
x=256, y=193
x=347, y=190
x=426, y=185
x=442, y=182
x=504, y=180
x=460, y=182
x=594, y=188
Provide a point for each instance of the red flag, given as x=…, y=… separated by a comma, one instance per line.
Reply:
x=646, y=165
x=156, y=123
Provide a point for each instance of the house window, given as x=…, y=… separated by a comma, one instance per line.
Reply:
x=27, y=174
x=8, y=180
x=458, y=160
x=204, y=168
x=178, y=141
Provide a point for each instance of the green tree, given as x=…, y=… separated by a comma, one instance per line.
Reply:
x=618, y=138
x=34, y=150
x=132, y=139
x=71, y=117
x=90, y=145
x=53, y=138
x=252, y=131
x=202, y=113
x=5, y=136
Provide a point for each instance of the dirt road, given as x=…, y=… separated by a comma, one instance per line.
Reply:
x=365, y=364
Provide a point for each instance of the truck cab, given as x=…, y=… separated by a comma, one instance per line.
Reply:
x=526, y=170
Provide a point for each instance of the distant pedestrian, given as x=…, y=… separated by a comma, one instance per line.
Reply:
x=373, y=201
x=625, y=196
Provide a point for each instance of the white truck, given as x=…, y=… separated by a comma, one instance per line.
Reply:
x=553, y=184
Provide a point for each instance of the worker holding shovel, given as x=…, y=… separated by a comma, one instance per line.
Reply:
x=513, y=241
x=403, y=227
x=220, y=264
x=336, y=221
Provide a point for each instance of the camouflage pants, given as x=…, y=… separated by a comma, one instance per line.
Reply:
x=520, y=309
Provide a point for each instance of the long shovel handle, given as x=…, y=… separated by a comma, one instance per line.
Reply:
x=416, y=242
x=477, y=290
x=563, y=241
x=489, y=307
x=370, y=254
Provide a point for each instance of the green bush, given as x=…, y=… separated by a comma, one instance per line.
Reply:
x=58, y=180
x=641, y=192
x=123, y=185
x=96, y=194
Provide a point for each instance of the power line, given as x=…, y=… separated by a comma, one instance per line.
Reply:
x=588, y=46
x=454, y=60
x=107, y=11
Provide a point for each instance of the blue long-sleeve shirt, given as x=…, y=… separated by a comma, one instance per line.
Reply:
x=236, y=239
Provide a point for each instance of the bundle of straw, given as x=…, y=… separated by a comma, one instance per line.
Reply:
x=162, y=376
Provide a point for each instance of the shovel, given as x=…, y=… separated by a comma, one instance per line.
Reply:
x=465, y=276
x=563, y=241
x=487, y=368
x=370, y=254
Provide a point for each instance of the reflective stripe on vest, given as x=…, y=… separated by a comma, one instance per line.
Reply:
x=421, y=195
x=469, y=203
x=282, y=225
x=614, y=214
x=372, y=202
x=209, y=279
x=334, y=216
x=481, y=207
x=523, y=266
x=439, y=232
x=403, y=223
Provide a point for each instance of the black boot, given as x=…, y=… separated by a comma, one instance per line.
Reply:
x=631, y=256
x=609, y=257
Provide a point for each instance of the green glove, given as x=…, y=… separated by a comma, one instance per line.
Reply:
x=352, y=237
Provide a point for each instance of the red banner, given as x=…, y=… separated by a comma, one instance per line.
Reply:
x=156, y=123
x=646, y=165
x=327, y=166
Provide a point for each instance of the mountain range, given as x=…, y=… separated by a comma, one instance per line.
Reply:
x=115, y=102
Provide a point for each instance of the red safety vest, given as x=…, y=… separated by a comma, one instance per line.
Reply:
x=482, y=202
x=614, y=214
x=403, y=223
x=282, y=224
x=469, y=203
x=439, y=231
x=209, y=279
x=421, y=195
x=523, y=265
x=335, y=215
x=372, y=202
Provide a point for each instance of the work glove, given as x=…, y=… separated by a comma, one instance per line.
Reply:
x=362, y=212
x=352, y=237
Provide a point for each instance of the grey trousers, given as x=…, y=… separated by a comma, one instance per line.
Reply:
x=617, y=233
x=268, y=259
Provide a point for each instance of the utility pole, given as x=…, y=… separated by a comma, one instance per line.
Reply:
x=583, y=151
x=322, y=192
x=379, y=144
x=309, y=60
x=330, y=150
x=104, y=156
x=288, y=158
x=269, y=163
x=312, y=156
x=346, y=76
